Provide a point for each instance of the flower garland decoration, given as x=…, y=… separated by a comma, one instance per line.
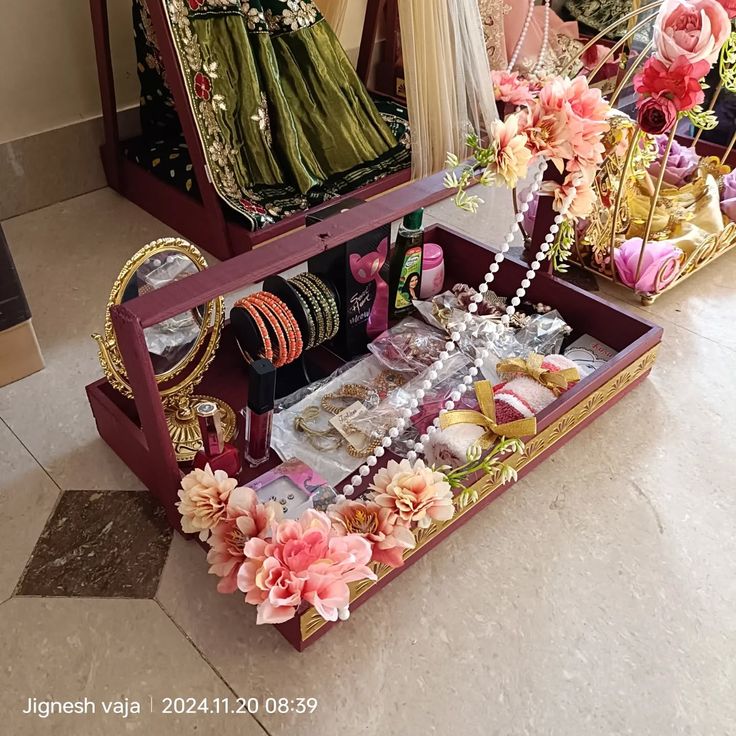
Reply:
x=688, y=37
x=563, y=121
x=282, y=564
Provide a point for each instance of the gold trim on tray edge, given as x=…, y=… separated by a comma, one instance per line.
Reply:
x=310, y=622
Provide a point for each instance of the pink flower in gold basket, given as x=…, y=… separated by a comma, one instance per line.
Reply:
x=657, y=114
x=203, y=500
x=512, y=153
x=379, y=525
x=695, y=29
x=304, y=561
x=510, y=87
x=418, y=494
x=245, y=518
x=660, y=265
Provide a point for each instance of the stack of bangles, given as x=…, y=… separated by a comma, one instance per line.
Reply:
x=320, y=308
x=273, y=318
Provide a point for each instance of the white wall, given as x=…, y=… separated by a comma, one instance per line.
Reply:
x=49, y=76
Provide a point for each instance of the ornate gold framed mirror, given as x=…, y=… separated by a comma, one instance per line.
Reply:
x=181, y=348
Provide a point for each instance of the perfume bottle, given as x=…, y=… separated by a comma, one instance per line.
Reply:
x=259, y=411
x=215, y=452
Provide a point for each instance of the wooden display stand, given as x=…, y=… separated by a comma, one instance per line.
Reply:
x=206, y=220
x=137, y=430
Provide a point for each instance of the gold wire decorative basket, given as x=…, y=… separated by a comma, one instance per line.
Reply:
x=632, y=201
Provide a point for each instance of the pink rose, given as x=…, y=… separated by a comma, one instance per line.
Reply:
x=657, y=114
x=728, y=196
x=695, y=29
x=660, y=265
x=729, y=6
x=680, y=165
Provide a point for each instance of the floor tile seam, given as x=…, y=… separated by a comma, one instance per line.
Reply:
x=206, y=660
x=33, y=210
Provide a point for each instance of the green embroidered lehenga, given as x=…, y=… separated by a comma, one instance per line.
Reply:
x=283, y=119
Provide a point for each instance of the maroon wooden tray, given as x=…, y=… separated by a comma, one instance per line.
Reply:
x=205, y=219
x=137, y=431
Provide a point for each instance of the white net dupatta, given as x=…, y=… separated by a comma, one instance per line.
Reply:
x=448, y=78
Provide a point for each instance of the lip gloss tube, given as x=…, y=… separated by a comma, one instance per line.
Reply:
x=215, y=452
x=259, y=412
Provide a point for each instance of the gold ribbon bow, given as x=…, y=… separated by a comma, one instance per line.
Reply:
x=556, y=381
x=486, y=418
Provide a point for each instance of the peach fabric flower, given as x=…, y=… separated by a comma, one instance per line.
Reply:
x=379, y=525
x=695, y=29
x=583, y=116
x=512, y=153
x=305, y=560
x=584, y=199
x=418, y=494
x=510, y=87
x=203, y=500
x=246, y=517
x=658, y=256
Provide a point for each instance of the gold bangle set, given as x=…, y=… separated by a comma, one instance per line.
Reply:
x=329, y=439
x=319, y=305
x=349, y=394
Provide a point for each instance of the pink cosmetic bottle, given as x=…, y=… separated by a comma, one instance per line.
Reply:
x=215, y=452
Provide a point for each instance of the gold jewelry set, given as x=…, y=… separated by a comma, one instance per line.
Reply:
x=337, y=401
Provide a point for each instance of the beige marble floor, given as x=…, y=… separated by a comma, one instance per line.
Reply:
x=596, y=598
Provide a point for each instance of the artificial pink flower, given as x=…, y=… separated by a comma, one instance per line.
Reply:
x=695, y=29
x=681, y=163
x=657, y=114
x=729, y=6
x=680, y=82
x=245, y=518
x=660, y=264
x=379, y=525
x=305, y=560
x=418, y=494
x=728, y=196
x=578, y=182
x=512, y=153
x=510, y=87
x=585, y=114
x=203, y=500
x=546, y=132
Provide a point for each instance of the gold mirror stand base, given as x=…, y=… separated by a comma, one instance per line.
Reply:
x=181, y=420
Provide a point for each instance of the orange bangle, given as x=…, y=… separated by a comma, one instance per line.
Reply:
x=281, y=354
x=261, y=326
x=293, y=333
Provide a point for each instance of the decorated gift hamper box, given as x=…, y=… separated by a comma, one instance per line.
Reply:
x=144, y=409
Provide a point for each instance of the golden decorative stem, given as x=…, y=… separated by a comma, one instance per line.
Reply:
x=633, y=14
x=625, y=173
x=729, y=149
x=657, y=188
x=712, y=104
x=630, y=72
x=629, y=35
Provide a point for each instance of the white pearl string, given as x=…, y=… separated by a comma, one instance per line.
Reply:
x=545, y=38
x=522, y=37
x=432, y=374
